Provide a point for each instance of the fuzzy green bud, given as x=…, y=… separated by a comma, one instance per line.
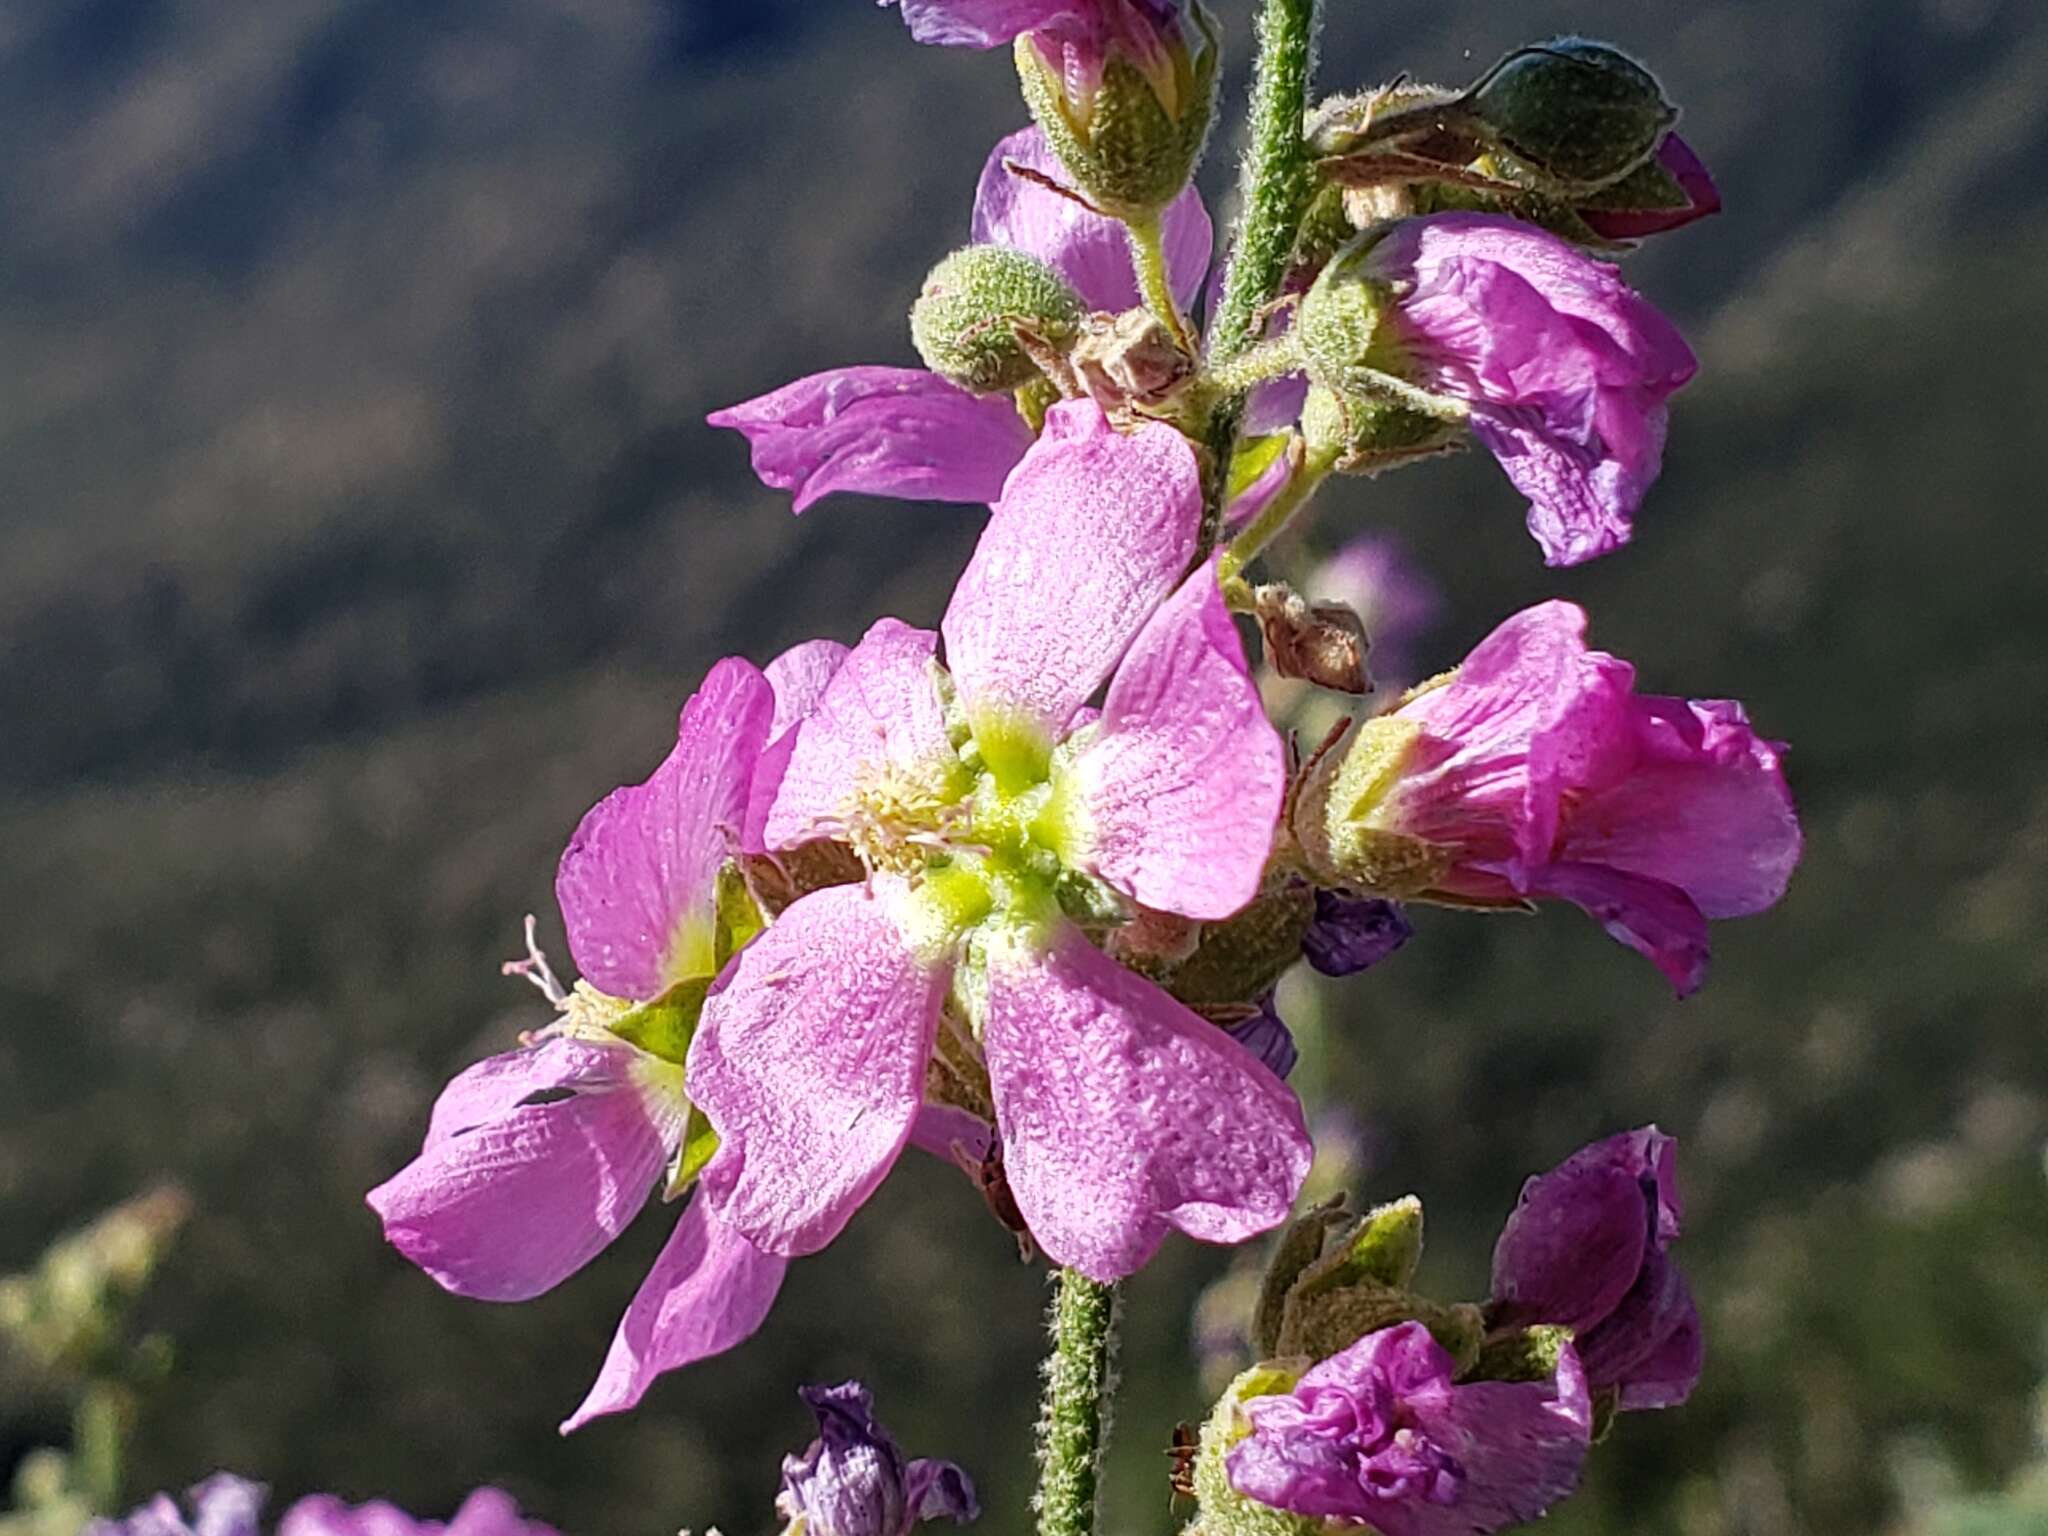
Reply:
x=1341, y=324
x=1579, y=113
x=1362, y=434
x=967, y=323
x=1127, y=119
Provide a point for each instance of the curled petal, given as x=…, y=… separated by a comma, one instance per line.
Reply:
x=638, y=884
x=878, y=725
x=798, y=677
x=1123, y=1114
x=1091, y=252
x=512, y=1206
x=1353, y=933
x=897, y=432
x=1174, y=798
x=1657, y=921
x=1572, y=1248
x=809, y=1062
x=709, y=1290
x=1094, y=530
x=1702, y=198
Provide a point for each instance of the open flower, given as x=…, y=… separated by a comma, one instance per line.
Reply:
x=226, y=1505
x=986, y=799
x=536, y=1159
x=1586, y=1249
x=853, y=1479
x=1535, y=771
x=906, y=432
x=1381, y=1436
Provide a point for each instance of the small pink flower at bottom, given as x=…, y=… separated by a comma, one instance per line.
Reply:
x=1536, y=771
x=982, y=797
x=1381, y=1436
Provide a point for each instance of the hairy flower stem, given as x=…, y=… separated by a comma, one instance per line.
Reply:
x=1300, y=489
x=1277, y=187
x=1148, y=256
x=1075, y=1422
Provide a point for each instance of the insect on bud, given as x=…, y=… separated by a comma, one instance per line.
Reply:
x=1579, y=113
x=966, y=323
x=1127, y=99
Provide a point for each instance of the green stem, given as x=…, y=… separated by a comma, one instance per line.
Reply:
x=1266, y=360
x=1278, y=185
x=1076, y=1418
x=1148, y=253
x=1302, y=485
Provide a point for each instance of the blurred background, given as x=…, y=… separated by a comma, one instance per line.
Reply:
x=361, y=528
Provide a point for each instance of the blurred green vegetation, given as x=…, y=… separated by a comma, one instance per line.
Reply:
x=361, y=531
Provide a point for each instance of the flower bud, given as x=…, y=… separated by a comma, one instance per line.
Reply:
x=967, y=321
x=1363, y=434
x=1580, y=113
x=1126, y=95
x=1338, y=323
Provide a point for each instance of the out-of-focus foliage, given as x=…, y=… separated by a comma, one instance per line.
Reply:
x=361, y=530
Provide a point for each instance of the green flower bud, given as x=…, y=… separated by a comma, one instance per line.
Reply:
x=1339, y=324
x=967, y=321
x=1128, y=120
x=1363, y=434
x=1580, y=113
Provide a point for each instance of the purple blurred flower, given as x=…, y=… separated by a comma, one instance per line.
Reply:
x=536, y=1159
x=907, y=433
x=1586, y=1248
x=853, y=1480
x=226, y=1505
x=1379, y=1435
x=1535, y=771
x=1564, y=367
x=810, y=1059
x=1353, y=933
x=1399, y=604
x=1703, y=198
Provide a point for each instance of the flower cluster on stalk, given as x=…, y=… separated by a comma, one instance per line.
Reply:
x=1018, y=891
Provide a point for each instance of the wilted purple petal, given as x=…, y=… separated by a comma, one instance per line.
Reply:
x=1379, y=1435
x=809, y=1062
x=1353, y=933
x=1665, y=1377
x=1266, y=1035
x=853, y=1480
x=1174, y=797
x=1094, y=530
x=940, y=1490
x=709, y=1290
x=1091, y=252
x=983, y=23
x=899, y=432
x=638, y=883
x=878, y=723
x=511, y=1206
x=1123, y=1114
x=1658, y=921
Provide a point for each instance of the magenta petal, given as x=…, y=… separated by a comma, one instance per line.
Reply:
x=1582, y=499
x=1657, y=921
x=1179, y=786
x=490, y=1089
x=1704, y=808
x=899, y=432
x=1091, y=252
x=951, y=1135
x=1094, y=530
x=799, y=677
x=879, y=717
x=1702, y=198
x=1123, y=1114
x=709, y=1290
x=1572, y=1248
x=1666, y=1376
x=809, y=1062
x=983, y=23
x=638, y=883
x=512, y=1206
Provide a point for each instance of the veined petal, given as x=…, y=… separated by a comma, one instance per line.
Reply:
x=1123, y=1114
x=1572, y=1248
x=799, y=677
x=709, y=1290
x=809, y=1062
x=1174, y=798
x=878, y=727
x=1091, y=252
x=1094, y=530
x=511, y=1206
x=898, y=432
x=638, y=884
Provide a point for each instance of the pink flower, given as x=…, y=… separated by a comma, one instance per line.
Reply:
x=1565, y=368
x=987, y=798
x=1536, y=771
x=536, y=1159
x=907, y=433
x=1381, y=1436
